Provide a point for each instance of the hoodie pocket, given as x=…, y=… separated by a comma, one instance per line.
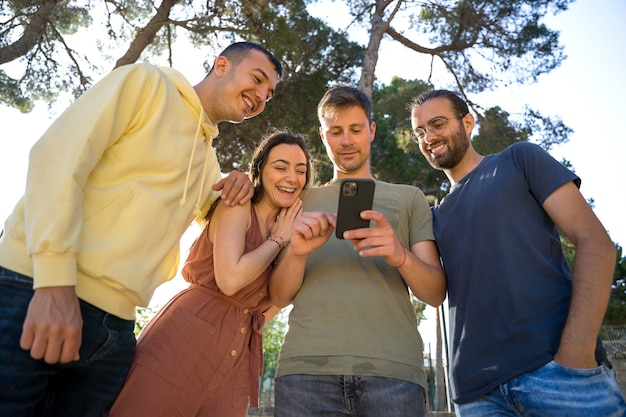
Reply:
x=132, y=243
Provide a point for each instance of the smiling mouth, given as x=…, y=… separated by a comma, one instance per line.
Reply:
x=249, y=103
x=436, y=148
x=287, y=190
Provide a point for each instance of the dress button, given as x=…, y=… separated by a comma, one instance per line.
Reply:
x=245, y=311
x=233, y=352
x=243, y=330
x=261, y=294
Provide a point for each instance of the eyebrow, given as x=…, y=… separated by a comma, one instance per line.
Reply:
x=284, y=161
x=298, y=165
x=436, y=117
x=359, y=124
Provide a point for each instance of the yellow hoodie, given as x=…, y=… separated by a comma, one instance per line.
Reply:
x=106, y=193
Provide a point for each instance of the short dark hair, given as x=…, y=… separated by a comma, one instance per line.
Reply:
x=459, y=106
x=262, y=151
x=236, y=52
x=342, y=97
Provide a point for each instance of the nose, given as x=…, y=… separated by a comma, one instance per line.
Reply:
x=426, y=134
x=291, y=176
x=261, y=93
x=346, y=138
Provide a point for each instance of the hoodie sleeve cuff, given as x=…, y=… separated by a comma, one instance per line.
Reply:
x=53, y=270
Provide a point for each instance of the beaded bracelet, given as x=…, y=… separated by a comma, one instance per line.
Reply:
x=279, y=240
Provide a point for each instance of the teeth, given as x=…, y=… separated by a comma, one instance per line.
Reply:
x=288, y=190
x=248, y=102
x=436, y=148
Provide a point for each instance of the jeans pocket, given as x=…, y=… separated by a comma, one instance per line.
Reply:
x=584, y=372
x=15, y=280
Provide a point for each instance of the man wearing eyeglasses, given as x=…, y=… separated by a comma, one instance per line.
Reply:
x=523, y=326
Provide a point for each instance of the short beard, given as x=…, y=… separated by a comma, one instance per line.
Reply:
x=458, y=144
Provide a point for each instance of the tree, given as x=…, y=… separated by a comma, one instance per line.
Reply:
x=44, y=36
x=396, y=158
x=482, y=44
x=313, y=56
x=273, y=335
x=616, y=311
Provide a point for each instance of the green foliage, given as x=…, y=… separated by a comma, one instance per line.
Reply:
x=418, y=307
x=273, y=335
x=11, y=94
x=488, y=43
x=545, y=131
x=313, y=57
x=496, y=132
x=144, y=314
x=616, y=311
x=48, y=56
x=394, y=156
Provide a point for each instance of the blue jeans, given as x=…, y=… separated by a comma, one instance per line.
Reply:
x=552, y=391
x=87, y=387
x=341, y=396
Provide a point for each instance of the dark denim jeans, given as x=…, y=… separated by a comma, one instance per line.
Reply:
x=85, y=388
x=345, y=395
x=552, y=391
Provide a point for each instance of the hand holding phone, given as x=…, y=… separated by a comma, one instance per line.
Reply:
x=355, y=195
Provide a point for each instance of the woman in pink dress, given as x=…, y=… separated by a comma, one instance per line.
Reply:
x=202, y=354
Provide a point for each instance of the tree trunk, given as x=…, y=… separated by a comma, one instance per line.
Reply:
x=32, y=33
x=147, y=33
x=379, y=25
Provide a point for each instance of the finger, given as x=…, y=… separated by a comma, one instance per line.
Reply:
x=303, y=227
x=28, y=336
x=376, y=216
x=294, y=210
x=53, y=351
x=240, y=192
x=230, y=189
x=38, y=348
x=71, y=345
x=247, y=196
x=218, y=186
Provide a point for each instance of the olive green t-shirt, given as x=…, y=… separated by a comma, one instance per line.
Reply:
x=353, y=315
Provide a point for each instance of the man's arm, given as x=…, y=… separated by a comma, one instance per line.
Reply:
x=592, y=275
x=310, y=231
x=419, y=266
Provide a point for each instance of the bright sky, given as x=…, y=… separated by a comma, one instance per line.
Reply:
x=587, y=92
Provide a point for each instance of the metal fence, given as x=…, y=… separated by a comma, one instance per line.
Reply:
x=614, y=340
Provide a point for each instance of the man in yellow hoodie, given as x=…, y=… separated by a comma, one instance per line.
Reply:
x=112, y=185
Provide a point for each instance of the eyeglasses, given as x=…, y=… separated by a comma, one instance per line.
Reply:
x=436, y=126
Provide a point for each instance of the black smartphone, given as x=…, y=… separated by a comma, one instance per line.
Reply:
x=355, y=195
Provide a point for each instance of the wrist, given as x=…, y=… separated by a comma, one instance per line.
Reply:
x=279, y=240
x=403, y=257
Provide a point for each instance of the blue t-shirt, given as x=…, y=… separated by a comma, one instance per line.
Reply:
x=509, y=285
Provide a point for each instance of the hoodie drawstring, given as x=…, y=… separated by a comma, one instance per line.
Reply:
x=212, y=132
